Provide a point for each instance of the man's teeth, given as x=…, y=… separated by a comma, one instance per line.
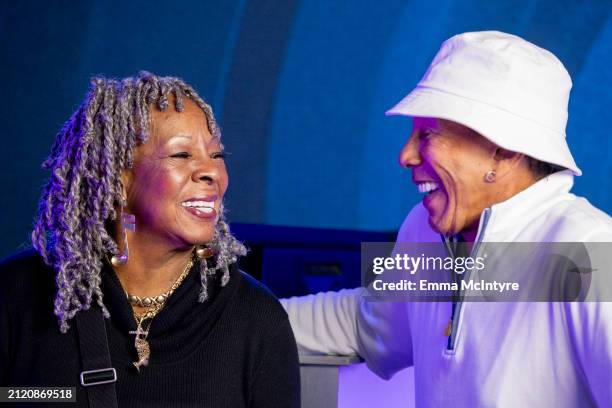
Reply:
x=199, y=204
x=427, y=187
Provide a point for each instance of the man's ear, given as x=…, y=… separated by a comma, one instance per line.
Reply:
x=510, y=157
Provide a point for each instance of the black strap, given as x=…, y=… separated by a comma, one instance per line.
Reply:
x=98, y=376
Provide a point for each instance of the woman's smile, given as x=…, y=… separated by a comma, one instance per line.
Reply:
x=203, y=207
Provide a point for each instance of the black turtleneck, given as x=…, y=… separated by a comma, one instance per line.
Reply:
x=234, y=350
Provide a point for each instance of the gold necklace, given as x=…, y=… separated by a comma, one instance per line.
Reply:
x=159, y=300
x=140, y=341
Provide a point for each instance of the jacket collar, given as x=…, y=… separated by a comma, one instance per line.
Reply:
x=507, y=219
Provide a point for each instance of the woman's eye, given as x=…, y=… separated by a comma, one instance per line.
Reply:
x=181, y=155
x=218, y=155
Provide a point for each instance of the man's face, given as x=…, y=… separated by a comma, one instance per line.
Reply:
x=448, y=162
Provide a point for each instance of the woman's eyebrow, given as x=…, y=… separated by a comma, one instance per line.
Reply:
x=180, y=135
x=175, y=139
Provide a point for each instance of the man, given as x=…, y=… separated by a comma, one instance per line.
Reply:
x=488, y=149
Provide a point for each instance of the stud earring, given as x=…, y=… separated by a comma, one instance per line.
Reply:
x=204, y=252
x=128, y=222
x=490, y=176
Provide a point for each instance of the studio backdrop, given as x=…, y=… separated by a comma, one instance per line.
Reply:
x=300, y=88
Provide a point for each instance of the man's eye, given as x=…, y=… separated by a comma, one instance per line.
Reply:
x=181, y=155
x=218, y=155
x=426, y=134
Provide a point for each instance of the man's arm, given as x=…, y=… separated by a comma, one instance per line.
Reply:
x=590, y=322
x=590, y=327
x=325, y=323
x=345, y=322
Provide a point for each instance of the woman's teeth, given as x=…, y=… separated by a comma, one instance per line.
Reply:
x=427, y=187
x=204, y=206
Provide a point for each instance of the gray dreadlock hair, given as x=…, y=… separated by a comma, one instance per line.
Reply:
x=79, y=201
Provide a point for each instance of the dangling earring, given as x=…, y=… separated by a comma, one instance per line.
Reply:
x=204, y=252
x=490, y=176
x=128, y=222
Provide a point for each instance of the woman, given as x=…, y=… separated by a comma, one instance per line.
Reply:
x=131, y=227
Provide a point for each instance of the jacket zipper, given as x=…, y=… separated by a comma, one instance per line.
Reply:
x=457, y=302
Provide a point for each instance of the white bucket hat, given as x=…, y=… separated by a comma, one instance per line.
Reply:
x=512, y=92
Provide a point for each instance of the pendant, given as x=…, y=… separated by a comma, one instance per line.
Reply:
x=142, y=348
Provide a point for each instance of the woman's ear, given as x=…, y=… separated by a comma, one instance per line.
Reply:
x=126, y=182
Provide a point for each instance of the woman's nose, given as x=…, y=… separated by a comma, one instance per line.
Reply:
x=409, y=155
x=205, y=171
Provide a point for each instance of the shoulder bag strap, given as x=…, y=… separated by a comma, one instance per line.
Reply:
x=98, y=376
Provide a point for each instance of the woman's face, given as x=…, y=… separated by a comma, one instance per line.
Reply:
x=176, y=185
x=448, y=162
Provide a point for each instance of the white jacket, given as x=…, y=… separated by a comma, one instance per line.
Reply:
x=505, y=354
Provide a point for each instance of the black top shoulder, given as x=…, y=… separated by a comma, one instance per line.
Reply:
x=237, y=347
x=17, y=275
x=27, y=260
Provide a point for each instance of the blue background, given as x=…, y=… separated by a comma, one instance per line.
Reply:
x=299, y=87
